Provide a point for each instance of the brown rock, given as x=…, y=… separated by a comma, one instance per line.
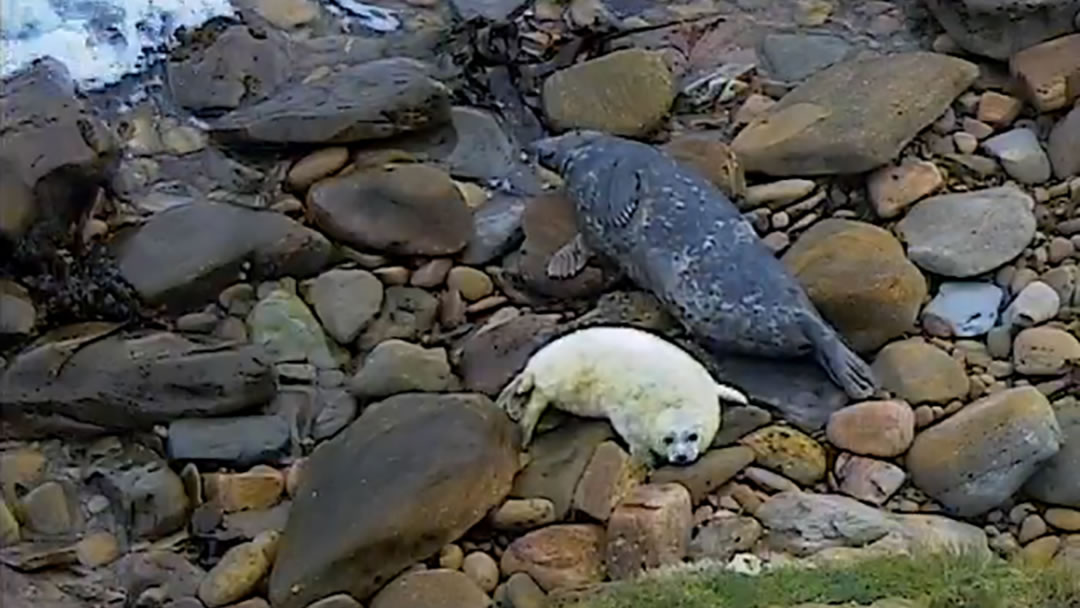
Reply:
x=649, y=528
x=712, y=470
x=997, y=109
x=893, y=189
x=857, y=275
x=609, y=476
x=1063, y=519
x=473, y=284
x=1050, y=72
x=713, y=158
x=498, y=350
x=406, y=314
x=519, y=514
x=340, y=600
x=317, y=165
x=523, y=592
x=869, y=480
x=625, y=93
x=873, y=428
x=49, y=510
x=788, y=452
x=557, y=461
x=1040, y=553
x=563, y=555
x=919, y=372
x=432, y=273
x=431, y=589
x=482, y=569
x=239, y=571
x=408, y=209
x=97, y=549
x=721, y=537
x=259, y=488
x=1044, y=351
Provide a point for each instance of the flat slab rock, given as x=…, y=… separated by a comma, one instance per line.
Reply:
x=453, y=459
x=373, y=100
x=88, y=375
x=1000, y=28
x=853, y=116
x=189, y=253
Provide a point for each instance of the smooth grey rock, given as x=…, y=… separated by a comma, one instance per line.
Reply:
x=346, y=300
x=795, y=56
x=977, y=458
x=799, y=389
x=963, y=309
x=396, y=366
x=1021, y=154
x=453, y=459
x=187, y=254
x=1035, y=304
x=496, y=229
x=1000, y=28
x=966, y=234
x=803, y=523
x=482, y=149
x=287, y=330
x=1064, y=145
x=236, y=441
x=17, y=312
x=1057, y=481
x=132, y=381
x=337, y=409
x=407, y=312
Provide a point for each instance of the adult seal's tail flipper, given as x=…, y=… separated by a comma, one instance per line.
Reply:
x=846, y=368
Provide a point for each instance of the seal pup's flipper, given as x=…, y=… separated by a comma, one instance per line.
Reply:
x=512, y=398
x=570, y=259
x=846, y=368
x=730, y=393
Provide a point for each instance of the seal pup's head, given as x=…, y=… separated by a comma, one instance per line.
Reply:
x=682, y=435
x=556, y=152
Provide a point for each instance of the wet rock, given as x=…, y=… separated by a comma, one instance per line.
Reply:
x=711, y=157
x=893, y=189
x=557, y=461
x=1048, y=72
x=396, y=366
x=977, y=458
x=257, y=489
x=407, y=312
x=187, y=254
x=626, y=93
x=399, y=514
x=482, y=149
x=966, y=234
x=519, y=514
x=648, y=529
x=792, y=57
x=720, y=538
x=712, y=470
x=918, y=372
x=239, y=571
x=316, y=166
x=788, y=452
x=802, y=523
x=833, y=122
x=1056, y=481
x=410, y=209
x=238, y=65
x=496, y=229
x=346, y=301
x=52, y=145
x=1045, y=351
x=146, y=495
x=963, y=309
x=439, y=588
x=288, y=331
x=49, y=510
x=873, y=428
x=1000, y=28
x=608, y=478
x=857, y=275
x=558, y=556
x=1021, y=154
x=1036, y=303
x=1064, y=145
x=739, y=421
x=491, y=356
x=237, y=441
x=127, y=381
x=869, y=480
x=17, y=313
x=369, y=101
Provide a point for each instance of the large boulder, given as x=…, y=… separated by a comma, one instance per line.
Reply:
x=52, y=144
x=1057, y=481
x=1064, y=145
x=976, y=459
x=853, y=116
x=89, y=375
x=999, y=28
x=187, y=254
x=409, y=476
x=856, y=274
x=373, y=100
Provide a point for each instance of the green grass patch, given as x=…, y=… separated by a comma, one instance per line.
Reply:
x=933, y=580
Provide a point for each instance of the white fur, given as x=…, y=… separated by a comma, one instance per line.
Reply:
x=657, y=397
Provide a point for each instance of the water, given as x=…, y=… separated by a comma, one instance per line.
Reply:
x=101, y=41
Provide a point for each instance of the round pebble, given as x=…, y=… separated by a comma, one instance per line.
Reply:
x=482, y=569
x=451, y=557
x=472, y=283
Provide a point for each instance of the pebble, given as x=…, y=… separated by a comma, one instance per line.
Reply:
x=1063, y=519
x=518, y=514
x=1021, y=278
x=473, y=284
x=997, y=109
x=768, y=480
x=721, y=537
x=451, y=557
x=257, y=489
x=1036, y=303
x=1021, y=154
x=962, y=309
x=776, y=241
x=238, y=572
x=47, y=509
x=482, y=569
x=789, y=452
x=873, y=428
x=346, y=301
x=779, y=194
x=197, y=322
x=977, y=129
x=523, y=592
x=1041, y=351
x=1031, y=528
x=10, y=534
x=966, y=143
x=1040, y=552
x=894, y=189
x=867, y=479
x=392, y=275
x=97, y=549
x=432, y=274
x=316, y=166
x=1060, y=249
x=919, y=372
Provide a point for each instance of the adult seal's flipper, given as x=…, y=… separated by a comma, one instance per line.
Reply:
x=570, y=259
x=844, y=366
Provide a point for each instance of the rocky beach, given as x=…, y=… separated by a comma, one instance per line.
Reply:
x=257, y=299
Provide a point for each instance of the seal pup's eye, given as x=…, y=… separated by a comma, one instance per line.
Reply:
x=669, y=440
x=692, y=438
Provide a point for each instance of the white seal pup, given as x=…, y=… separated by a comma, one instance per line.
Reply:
x=656, y=396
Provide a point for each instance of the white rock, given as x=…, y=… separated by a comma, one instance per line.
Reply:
x=963, y=309
x=1036, y=303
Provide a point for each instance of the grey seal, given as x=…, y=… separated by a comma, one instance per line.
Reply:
x=673, y=233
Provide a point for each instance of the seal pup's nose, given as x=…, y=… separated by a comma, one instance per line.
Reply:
x=681, y=459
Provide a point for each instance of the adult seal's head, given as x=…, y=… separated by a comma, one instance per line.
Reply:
x=555, y=152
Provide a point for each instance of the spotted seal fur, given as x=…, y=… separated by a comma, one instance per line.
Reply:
x=675, y=234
